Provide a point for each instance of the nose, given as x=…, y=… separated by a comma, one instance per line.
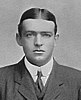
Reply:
x=38, y=41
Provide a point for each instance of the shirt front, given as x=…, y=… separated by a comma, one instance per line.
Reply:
x=45, y=69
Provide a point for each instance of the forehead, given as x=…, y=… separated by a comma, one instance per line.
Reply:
x=38, y=25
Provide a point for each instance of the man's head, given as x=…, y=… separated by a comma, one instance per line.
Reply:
x=36, y=34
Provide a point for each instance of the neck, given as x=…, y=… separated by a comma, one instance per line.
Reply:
x=39, y=63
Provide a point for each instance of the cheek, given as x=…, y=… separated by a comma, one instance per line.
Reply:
x=50, y=45
x=27, y=46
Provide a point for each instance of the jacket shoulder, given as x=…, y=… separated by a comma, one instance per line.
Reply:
x=72, y=72
x=9, y=70
x=6, y=71
x=69, y=74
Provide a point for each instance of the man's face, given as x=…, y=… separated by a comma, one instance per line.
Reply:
x=37, y=40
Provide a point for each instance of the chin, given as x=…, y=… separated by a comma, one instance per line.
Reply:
x=40, y=61
x=39, y=58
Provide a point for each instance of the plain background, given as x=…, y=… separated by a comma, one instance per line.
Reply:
x=68, y=14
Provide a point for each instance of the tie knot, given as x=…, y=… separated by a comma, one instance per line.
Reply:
x=39, y=74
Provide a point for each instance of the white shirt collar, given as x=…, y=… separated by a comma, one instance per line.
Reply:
x=46, y=69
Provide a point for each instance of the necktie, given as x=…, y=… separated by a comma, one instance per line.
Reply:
x=39, y=80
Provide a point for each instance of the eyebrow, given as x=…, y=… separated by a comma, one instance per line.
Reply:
x=46, y=32
x=39, y=31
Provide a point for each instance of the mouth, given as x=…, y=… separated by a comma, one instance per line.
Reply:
x=38, y=51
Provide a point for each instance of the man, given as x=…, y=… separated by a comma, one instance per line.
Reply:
x=38, y=76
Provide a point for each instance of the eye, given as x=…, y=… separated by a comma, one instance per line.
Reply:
x=29, y=34
x=45, y=34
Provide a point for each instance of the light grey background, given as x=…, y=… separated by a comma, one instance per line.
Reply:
x=68, y=14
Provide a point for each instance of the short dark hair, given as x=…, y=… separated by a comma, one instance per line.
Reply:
x=34, y=13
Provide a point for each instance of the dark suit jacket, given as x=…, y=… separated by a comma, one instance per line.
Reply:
x=16, y=83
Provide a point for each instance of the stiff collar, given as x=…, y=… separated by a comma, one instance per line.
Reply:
x=46, y=69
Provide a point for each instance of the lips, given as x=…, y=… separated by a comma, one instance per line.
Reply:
x=38, y=51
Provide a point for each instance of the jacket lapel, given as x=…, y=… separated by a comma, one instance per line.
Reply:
x=25, y=84
x=55, y=87
x=24, y=81
x=26, y=88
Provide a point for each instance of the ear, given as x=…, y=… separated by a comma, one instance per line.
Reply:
x=56, y=36
x=19, y=39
